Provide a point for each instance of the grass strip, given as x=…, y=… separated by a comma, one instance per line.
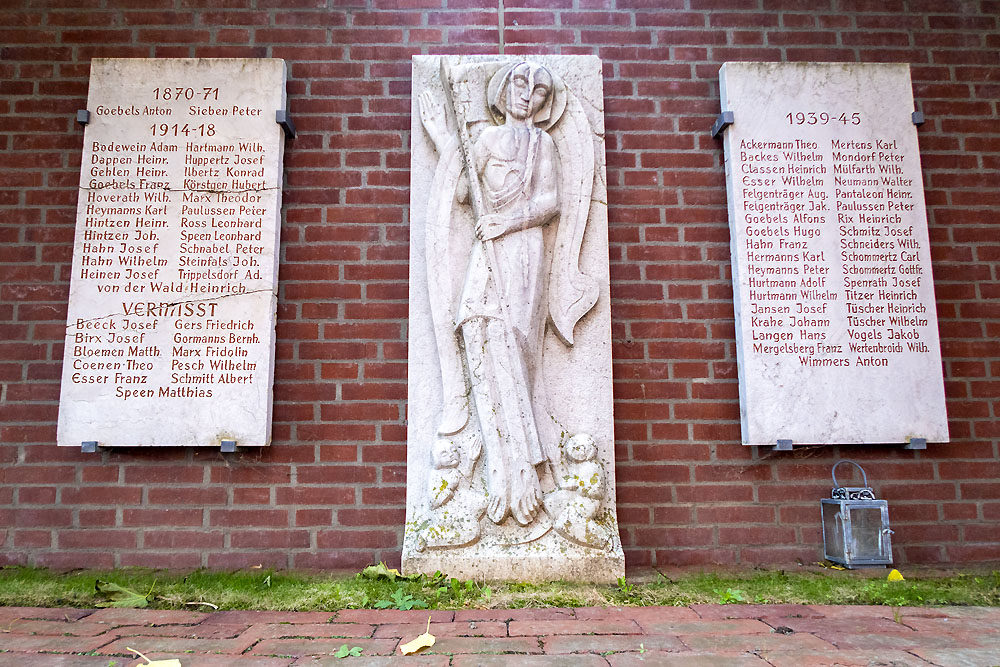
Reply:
x=284, y=591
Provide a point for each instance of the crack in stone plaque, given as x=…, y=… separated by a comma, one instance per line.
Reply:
x=168, y=304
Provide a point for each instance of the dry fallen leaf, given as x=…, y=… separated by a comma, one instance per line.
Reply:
x=830, y=565
x=895, y=576
x=425, y=640
x=380, y=571
x=119, y=596
x=173, y=662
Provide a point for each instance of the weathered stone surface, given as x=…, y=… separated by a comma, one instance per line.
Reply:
x=170, y=331
x=510, y=433
x=836, y=322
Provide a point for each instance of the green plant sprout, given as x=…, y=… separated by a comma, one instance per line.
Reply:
x=345, y=651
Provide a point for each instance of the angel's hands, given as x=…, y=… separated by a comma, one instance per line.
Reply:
x=432, y=117
x=491, y=226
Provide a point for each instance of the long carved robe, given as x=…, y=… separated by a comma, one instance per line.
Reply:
x=547, y=285
x=517, y=169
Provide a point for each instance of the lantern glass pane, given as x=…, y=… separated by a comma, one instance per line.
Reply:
x=866, y=529
x=833, y=531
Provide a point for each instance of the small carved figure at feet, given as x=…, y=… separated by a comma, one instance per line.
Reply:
x=577, y=500
x=444, y=479
x=455, y=509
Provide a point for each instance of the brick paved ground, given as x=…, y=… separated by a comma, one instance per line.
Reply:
x=695, y=636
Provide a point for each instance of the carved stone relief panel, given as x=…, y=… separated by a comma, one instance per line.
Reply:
x=510, y=440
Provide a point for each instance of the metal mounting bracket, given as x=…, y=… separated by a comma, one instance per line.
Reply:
x=783, y=446
x=82, y=117
x=915, y=443
x=722, y=121
x=282, y=118
x=917, y=117
x=227, y=446
x=88, y=446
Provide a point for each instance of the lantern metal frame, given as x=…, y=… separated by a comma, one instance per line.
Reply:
x=850, y=536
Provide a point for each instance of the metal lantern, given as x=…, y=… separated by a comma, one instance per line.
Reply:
x=855, y=524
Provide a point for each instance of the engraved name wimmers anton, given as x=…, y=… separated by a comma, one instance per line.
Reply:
x=510, y=442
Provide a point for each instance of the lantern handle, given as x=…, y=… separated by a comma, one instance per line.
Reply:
x=864, y=477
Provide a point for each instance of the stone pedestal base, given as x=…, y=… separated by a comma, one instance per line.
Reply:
x=548, y=559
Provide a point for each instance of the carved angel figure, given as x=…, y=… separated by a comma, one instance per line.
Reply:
x=522, y=173
x=455, y=508
x=581, y=489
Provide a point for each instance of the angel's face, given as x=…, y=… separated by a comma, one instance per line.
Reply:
x=581, y=447
x=529, y=88
x=444, y=454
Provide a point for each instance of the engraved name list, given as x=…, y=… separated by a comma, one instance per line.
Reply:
x=831, y=258
x=173, y=285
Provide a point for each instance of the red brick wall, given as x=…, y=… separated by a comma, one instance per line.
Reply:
x=329, y=492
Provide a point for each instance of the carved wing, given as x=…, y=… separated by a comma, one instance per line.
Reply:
x=445, y=263
x=571, y=292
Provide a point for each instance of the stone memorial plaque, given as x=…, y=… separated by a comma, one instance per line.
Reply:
x=510, y=455
x=836, y=325
x=170, y=331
